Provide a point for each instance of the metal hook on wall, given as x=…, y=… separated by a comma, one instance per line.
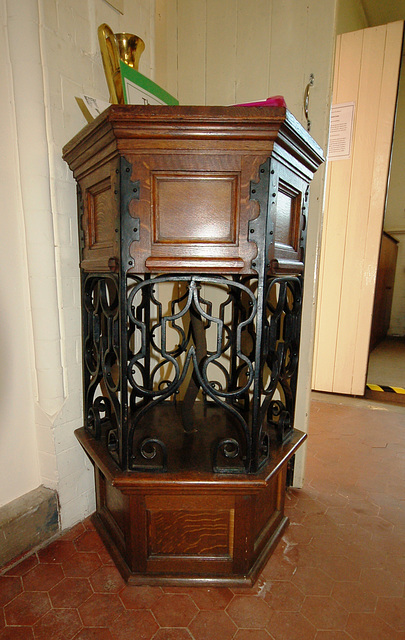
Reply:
x=306, y=99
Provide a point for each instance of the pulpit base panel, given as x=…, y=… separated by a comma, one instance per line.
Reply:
x=190, y=528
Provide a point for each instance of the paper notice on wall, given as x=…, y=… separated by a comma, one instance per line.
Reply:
x=341, y=131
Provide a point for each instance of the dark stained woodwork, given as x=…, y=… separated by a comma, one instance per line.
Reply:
x=189, y=190
x=190, y=527
x=212, y=198
x=194, y=166
x=189, y=532
x=384, y=289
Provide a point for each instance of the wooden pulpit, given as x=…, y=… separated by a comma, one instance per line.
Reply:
x=192, y=225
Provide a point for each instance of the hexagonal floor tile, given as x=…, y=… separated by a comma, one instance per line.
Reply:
x=23, y=566
x=249, y=612
x=370, y=626
x=215, y=625
x=10, y=587
x=209, y=598
x=107, y=579
x=382, y=582
x=17, y=633
x=88, y=541
x=175, y=633
x=71, y=592
x=81, y=564
x=284, y=596
x=27, y=608
x=57, y=551
x=93, y=633
x=174, y=610
x=142, y=597
x=353, y=597
x=392, y=611
x=58, y=624
x=312, y=581
x=324, y=612
x=252, y=634
x=43, y=577
x=138, y=624
x=283, y=625
x=101, y=609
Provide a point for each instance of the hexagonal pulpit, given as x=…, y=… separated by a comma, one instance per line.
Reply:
x=192, y=225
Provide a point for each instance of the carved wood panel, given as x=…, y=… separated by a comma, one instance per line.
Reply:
x=194, y=211
x=190, y=533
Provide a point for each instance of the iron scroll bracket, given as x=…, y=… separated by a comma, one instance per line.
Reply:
x=261, y=229
x=80, y=209
x=130, y=226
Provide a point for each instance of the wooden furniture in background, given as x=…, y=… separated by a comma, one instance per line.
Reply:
x=384, y=289
x=189, y=397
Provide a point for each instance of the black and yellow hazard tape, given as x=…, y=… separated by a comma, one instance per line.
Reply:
x=385, y=387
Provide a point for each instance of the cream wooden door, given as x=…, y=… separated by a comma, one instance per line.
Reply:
x=366, y=73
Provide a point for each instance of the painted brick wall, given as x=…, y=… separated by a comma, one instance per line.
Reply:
x=17, y=434
x=72, y=65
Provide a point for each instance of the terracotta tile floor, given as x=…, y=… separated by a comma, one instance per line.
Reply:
x=338, y=573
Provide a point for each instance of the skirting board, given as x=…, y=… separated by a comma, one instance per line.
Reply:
x=27, y=522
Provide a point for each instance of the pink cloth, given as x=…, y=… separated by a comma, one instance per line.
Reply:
x=274, y=101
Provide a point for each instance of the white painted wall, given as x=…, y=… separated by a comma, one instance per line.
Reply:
x=247, y=51
x=394, y=222
x=19, y=468
x=40, y=332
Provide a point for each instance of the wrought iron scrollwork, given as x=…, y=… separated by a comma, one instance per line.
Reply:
x=101, y=355
x=151, y=456
x=205, y=355
x=223, y=371
x=283, y=317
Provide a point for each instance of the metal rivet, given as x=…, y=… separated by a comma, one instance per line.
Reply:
x=135, y=190
x=253, y=264
x=117, y=171
x=130, y=262
x=251, y=230
x=261, y=170
x=253, y=190
x=274, y=195
x=272, y=171
x=271, y=233
x=135, y=229
x=115, y=191
x=127, y=169
x=116, y=231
